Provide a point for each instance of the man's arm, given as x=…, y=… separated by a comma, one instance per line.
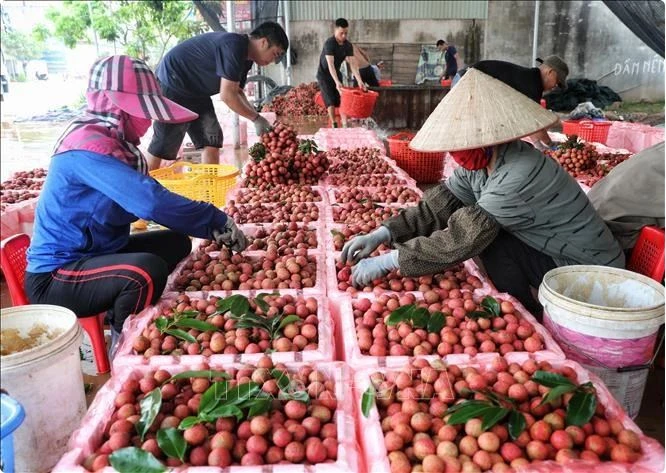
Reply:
x=232, y=95
x=353, y=62
x=543, y=137
x=431, y=214
x=243, y=97
x=330, y=60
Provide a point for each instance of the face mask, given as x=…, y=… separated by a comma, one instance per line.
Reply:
x=135, y=128
x=473, y=159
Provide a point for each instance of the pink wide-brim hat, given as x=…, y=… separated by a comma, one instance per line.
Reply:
x=132, y=87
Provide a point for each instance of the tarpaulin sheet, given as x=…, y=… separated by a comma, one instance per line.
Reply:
x=645, y=18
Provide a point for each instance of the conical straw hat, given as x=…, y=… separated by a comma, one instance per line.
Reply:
x=480, y=111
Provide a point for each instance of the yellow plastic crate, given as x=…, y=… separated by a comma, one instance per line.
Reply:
x=205, y=182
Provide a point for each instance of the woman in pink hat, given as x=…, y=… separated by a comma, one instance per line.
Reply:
x=82, y=255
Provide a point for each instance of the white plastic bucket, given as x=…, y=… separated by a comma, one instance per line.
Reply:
x=606, y=319
x=48, y=382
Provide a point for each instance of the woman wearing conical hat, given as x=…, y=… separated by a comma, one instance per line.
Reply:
x=509, y=204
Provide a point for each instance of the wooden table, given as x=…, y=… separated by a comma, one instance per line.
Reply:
x=406, y=106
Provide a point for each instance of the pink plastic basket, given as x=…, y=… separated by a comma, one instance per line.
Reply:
x=333, y=194
x=375, y=455
x=237, y=191
x=320, y=207
x=252, y=229
x=348, y=138
x=125, y=355
x=349, y=351
x=318, y=288
x=332, y=279
x=338, y=180
x=85, y=440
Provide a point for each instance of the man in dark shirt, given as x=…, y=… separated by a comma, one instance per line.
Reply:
x=450, y=57
x=193, y=71
x=530, y=81
x=336, y=50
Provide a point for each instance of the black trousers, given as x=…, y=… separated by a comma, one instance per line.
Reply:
x=329, y=91
x=120, y=284
x=368, y=76
x=514, y=266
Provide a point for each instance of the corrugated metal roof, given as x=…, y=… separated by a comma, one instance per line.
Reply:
x=302, y=10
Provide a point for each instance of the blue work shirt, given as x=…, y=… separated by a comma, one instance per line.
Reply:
x=90, y=199
x=194, y=67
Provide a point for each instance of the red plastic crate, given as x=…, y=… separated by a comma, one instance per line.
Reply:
x=421, y=166
x=587, y=130
x=355, y=103
x=647, y=257
x=385, y=83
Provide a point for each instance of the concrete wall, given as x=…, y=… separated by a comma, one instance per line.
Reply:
x=307, y=38
x=592, y=40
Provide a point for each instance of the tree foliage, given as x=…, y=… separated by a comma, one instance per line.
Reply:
x=21, y=46
x=71, y=22
x=138, y=26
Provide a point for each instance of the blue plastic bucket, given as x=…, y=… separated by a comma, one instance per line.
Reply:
x=11, y=417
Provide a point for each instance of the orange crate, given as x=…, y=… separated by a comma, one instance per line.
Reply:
x=421, y=166
x=385, y=83
x=355, y=103
x=588, y=130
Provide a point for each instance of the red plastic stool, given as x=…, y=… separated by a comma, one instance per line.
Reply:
x=647, y=257
x=13, y=263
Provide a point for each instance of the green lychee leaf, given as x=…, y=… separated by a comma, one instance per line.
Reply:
x=516, y=424
x=436, y=322
x=212, y=396
x=195, y=324
x=188, y=422
x=182, y=334
x=150, y=407
x=367, y=401
x=281, y=378
x=172, y=443
x=491, y=306
x=401, y=314
x=551, y=379
x=581, y=408
x=555, y=393
x=237, y=304
x=492, y=417
x=135, y=460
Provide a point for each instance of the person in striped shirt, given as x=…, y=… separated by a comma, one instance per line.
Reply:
x=507, y=203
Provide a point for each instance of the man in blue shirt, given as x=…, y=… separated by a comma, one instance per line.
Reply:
x=202, y=66
x=82, y=255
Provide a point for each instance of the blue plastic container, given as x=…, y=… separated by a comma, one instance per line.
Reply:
x=11, y=417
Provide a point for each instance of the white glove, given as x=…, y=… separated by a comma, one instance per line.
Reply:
x=231, y=236
x=261, y=125
x=368, y=270
x=361, y=246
